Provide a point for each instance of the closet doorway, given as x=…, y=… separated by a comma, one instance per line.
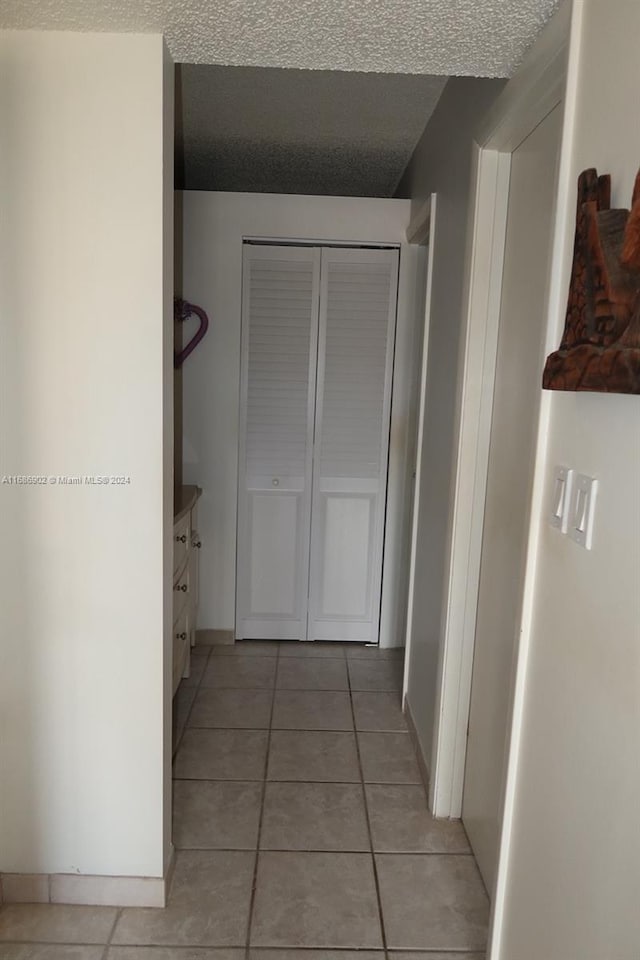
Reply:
x=318, y=330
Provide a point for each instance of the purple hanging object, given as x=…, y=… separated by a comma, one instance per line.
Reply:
x=182, y=310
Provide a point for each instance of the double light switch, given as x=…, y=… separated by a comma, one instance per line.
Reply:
x=572, y=510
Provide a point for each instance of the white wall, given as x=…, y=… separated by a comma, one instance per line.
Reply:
x=442, y=164
x=573, y=874
x=84, y=314
x=213, y=227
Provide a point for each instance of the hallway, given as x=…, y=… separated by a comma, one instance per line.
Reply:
x=299, y=822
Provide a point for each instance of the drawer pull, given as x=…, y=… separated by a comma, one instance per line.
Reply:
x=182, y=587
x=197, y=543
x=182, y=539
x=181, y=636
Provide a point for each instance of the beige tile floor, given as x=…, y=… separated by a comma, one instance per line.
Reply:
x=300, y=826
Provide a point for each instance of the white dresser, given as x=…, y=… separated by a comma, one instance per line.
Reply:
x=186, y=547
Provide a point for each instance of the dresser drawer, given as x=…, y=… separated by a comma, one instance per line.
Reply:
x=181, y=542
x=194, y=563
x=181, y=648
x=181, y=589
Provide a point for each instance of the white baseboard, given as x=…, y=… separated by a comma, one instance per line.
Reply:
x=73, y=888
x=413, y=733
x=108, y=891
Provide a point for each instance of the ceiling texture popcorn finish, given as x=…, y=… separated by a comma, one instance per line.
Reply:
x=298, y=131
x=483, y=38
x=306, y=96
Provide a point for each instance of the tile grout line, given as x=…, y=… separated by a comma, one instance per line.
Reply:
x=174, y=755
x=215, y=948
x=296, y=729
x=111, y=933
x=373, y=783
x=366, y=814
x=254, y=883
x=185, y=726
x=56, y=943
x=383, y=853
x=303, y=689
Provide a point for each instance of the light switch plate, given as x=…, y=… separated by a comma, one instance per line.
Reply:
x=561, y=498
x=583, y=502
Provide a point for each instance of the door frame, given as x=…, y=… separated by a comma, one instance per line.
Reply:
x=420, y=231
x=395, y=536
x=396, y=532
x=541, y=83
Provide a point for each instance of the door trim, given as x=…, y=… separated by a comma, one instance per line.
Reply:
x=491, y=170
x=421, y=231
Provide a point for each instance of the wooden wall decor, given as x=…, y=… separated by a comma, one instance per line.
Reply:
x=600, y=348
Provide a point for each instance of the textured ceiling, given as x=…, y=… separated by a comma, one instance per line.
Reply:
x=442, y=37
x=298, y=131
x=306, y=96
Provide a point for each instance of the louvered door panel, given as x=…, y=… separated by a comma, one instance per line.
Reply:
x=355, y=366
x=279, y=348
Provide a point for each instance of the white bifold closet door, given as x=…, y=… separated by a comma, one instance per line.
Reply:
x=280, y=302
x=317, y=363
x=353, y=401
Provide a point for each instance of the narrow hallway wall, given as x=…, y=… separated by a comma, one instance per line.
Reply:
x=86, y=192
x=441, y=163
x=575, y=859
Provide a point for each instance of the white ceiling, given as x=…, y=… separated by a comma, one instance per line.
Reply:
x=298, y=131
x=443, y=37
